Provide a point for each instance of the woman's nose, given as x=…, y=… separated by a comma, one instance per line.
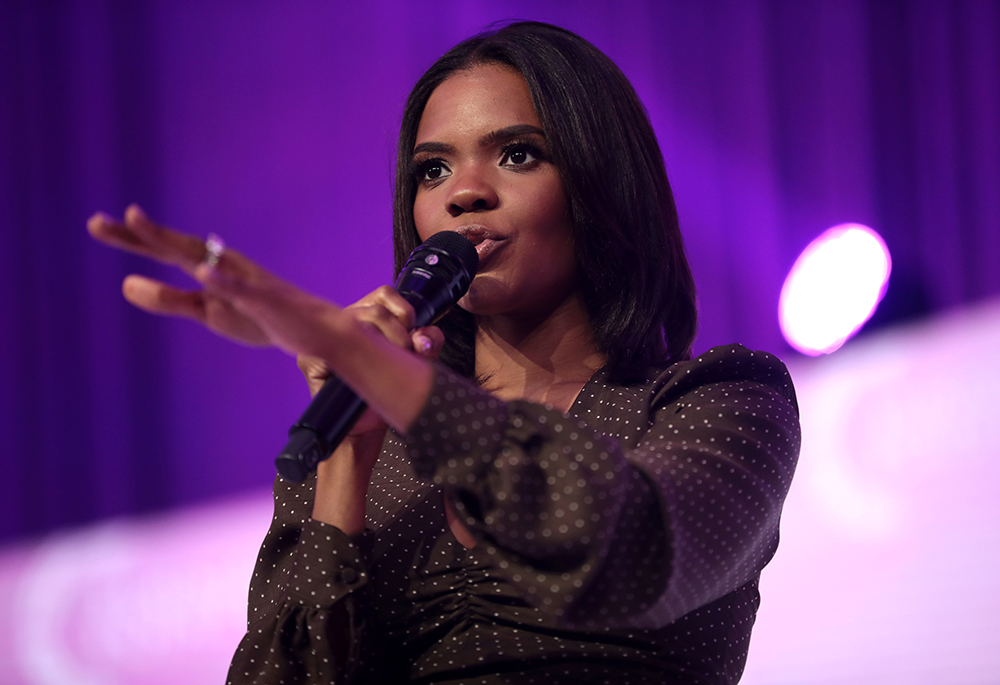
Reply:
x=471, y=193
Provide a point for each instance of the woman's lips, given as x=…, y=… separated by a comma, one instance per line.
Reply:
x=485, y=240
x=486, y=248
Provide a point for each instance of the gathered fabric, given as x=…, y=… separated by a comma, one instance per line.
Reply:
x=621, y=542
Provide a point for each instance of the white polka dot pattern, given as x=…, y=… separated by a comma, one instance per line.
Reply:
x=619, y=543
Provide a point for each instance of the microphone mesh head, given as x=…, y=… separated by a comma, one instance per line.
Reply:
x=458, y=246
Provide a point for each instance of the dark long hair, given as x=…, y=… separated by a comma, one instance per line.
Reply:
x=639, y=293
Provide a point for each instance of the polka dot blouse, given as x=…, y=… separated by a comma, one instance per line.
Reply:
x=619, y=543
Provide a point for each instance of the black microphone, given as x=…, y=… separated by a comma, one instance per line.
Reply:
x=435, y=277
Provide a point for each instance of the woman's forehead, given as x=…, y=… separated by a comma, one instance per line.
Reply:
x=475, y=101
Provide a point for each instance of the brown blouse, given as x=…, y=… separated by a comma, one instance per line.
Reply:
x=619, y=543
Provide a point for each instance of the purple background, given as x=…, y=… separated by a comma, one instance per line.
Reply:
x=274, y=124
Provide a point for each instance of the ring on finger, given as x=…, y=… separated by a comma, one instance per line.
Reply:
x=214, y=247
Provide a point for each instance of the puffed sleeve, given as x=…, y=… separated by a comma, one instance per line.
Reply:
x=598, y=534
x=315, y=627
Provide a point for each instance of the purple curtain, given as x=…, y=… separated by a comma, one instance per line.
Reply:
x=273, y=124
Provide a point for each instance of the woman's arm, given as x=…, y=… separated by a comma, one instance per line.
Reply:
x=310, y=618
x=599, y=534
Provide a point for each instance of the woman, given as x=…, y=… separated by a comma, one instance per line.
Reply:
x=593, y=506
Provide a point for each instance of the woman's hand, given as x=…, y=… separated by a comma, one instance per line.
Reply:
x=239, y=300
x=386, y=311
x=368, y=345
x=138, y=234
x=365, y=345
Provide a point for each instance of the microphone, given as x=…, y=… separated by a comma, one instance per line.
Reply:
x=436, y=275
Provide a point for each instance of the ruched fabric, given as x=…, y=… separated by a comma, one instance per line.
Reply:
x=621, y=542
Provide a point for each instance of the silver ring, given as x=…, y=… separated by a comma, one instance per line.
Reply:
x=214, y=247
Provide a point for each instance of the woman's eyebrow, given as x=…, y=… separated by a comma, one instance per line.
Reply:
x=492, y=138
x=440, y=148
x=508, y=132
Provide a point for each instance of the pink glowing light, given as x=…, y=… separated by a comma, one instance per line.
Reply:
x=833, y=288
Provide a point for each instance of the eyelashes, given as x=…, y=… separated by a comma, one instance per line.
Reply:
x=521, y=154
x=515, y=155
x=429, y=170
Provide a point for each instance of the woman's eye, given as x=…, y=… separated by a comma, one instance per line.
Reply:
x=519, y=156
x=433, y=170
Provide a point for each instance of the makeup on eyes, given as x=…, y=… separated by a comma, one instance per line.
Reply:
x=508, y=141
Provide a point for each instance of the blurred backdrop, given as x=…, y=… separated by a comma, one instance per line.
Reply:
x=139, y=450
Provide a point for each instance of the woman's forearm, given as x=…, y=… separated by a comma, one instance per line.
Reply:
x=342, y=482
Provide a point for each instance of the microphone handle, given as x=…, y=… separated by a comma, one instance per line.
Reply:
x=331, y=415
x=308, y=442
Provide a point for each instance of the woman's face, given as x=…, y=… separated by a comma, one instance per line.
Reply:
x=483, y=169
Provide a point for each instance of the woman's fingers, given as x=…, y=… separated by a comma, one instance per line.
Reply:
x=393, y=302
x=159, y=298
x=387, y=311
x=269, y=302
x=110, y=232
x=245, y=302
x=140, y=235
x=427, y=342
x=216, y=314
x=387, y=323
x=166, y=245
x=315, y=371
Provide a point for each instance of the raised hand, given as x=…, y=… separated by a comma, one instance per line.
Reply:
x=243, y=302
x=239, y=300
x=138, y=234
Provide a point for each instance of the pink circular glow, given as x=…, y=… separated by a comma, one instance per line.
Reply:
x=833, y=288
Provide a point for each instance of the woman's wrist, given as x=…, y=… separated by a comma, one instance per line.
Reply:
x=342, y=482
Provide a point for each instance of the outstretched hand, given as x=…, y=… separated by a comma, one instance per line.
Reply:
x=139, y=235
x=244, y=302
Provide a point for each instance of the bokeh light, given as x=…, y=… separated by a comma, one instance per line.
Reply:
x=833, y=288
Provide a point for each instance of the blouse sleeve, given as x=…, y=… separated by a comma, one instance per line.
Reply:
x=599, y=535
x=319, y=630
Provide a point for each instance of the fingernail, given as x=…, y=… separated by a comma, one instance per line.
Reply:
x=423, y=344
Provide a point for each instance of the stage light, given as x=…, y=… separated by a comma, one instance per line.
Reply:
x=833, y=288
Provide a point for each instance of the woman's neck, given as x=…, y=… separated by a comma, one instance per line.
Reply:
x=546, y=360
